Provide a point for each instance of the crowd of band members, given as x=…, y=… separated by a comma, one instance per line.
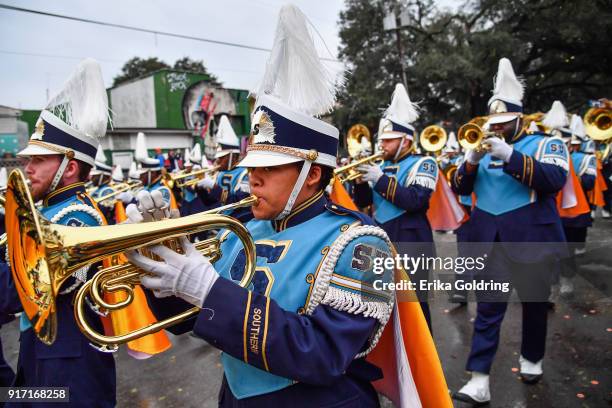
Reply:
x=518, y=177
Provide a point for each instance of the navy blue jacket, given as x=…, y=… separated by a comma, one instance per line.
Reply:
x=535, y=222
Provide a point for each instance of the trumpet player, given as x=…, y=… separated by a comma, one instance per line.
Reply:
x=190, y=202
x=60, y=154
x=231, y=183
x=575, y=228
x=299, y=336
x=516, y=224
x=100, y=175
x=401, y=187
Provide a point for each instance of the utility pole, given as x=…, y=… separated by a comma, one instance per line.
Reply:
x=395, y=20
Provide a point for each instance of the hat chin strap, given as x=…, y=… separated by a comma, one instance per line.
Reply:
x=296, y=190
x=58, y=174
x=399, y=148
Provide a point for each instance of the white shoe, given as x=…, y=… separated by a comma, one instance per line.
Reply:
x=566, y=286
x=530, y=372
x=593, y=212
x=476, y=391
x=579, y=251
x=605, y=214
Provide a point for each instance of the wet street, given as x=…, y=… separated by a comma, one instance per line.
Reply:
x=577, y=366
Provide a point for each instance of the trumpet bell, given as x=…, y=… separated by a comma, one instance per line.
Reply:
x=598, y=123
x=433, y=138
x=470, y=136
x=354, y=139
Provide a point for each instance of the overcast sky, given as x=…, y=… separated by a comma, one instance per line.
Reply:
x=39, y=52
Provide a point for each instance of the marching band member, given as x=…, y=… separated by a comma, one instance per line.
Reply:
x=516, y=180
x=60, y=154
x=191, y=203
x=7, y=374
x=585, y=165
x=402, y=186
x=100, y=175
x=299, y=335
x=151, y=172
x=231, y=183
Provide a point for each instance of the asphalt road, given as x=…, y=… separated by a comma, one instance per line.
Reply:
x=577, y=366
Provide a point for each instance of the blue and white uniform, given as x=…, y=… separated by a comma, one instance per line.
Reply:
x=300, y=333
x=515, y=206
x=70, y=361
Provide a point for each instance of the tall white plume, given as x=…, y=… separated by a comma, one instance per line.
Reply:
x=556, y=117
x=506, y=84
x=141, y=152
x=402, y=109
x=83, y=103
x=294, y=72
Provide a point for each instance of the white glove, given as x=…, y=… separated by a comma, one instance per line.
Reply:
x=126, y=197
x=189, y=276
x=371, y=172
x=151, y=207
x=473, y=156
x=206, y=183
x=499, y=148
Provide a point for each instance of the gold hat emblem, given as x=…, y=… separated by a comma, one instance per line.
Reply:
x=262, y=129
x=39, y=130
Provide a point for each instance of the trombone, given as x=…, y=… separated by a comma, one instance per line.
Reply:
x=44, y=255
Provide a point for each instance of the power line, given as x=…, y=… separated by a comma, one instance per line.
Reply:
x=140, y=29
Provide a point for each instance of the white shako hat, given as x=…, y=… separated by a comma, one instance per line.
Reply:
x=397, y=119
x=196, y=154
x=100, y=167
x=147, y=163
x=73, y=120
x=451, y=144
x=117, y=174
x=134, y=174
x=295, y=88
x=557, y=120
x=227, y=140
x=506, y=104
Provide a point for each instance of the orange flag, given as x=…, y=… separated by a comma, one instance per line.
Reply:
x=137, y=314
x=444, y=213
x=407, y=355
x=596, y=196
x=571, y=200
x=340, y=196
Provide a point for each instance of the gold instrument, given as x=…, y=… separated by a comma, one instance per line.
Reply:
x=537, y=118
x=118, y=189
x=354, y=139
x=449, y=172
x=350, y=172
x=171, y=179
x=598, y=123
x=471, y=135
x=603, y=150
x=44, y=255
x=433, y=138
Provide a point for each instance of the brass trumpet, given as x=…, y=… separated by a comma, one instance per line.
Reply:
x=433, y=138
x=118, y=189
x=171, y=179
x=471, y=135
x=350, y=172
x=44, y=255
